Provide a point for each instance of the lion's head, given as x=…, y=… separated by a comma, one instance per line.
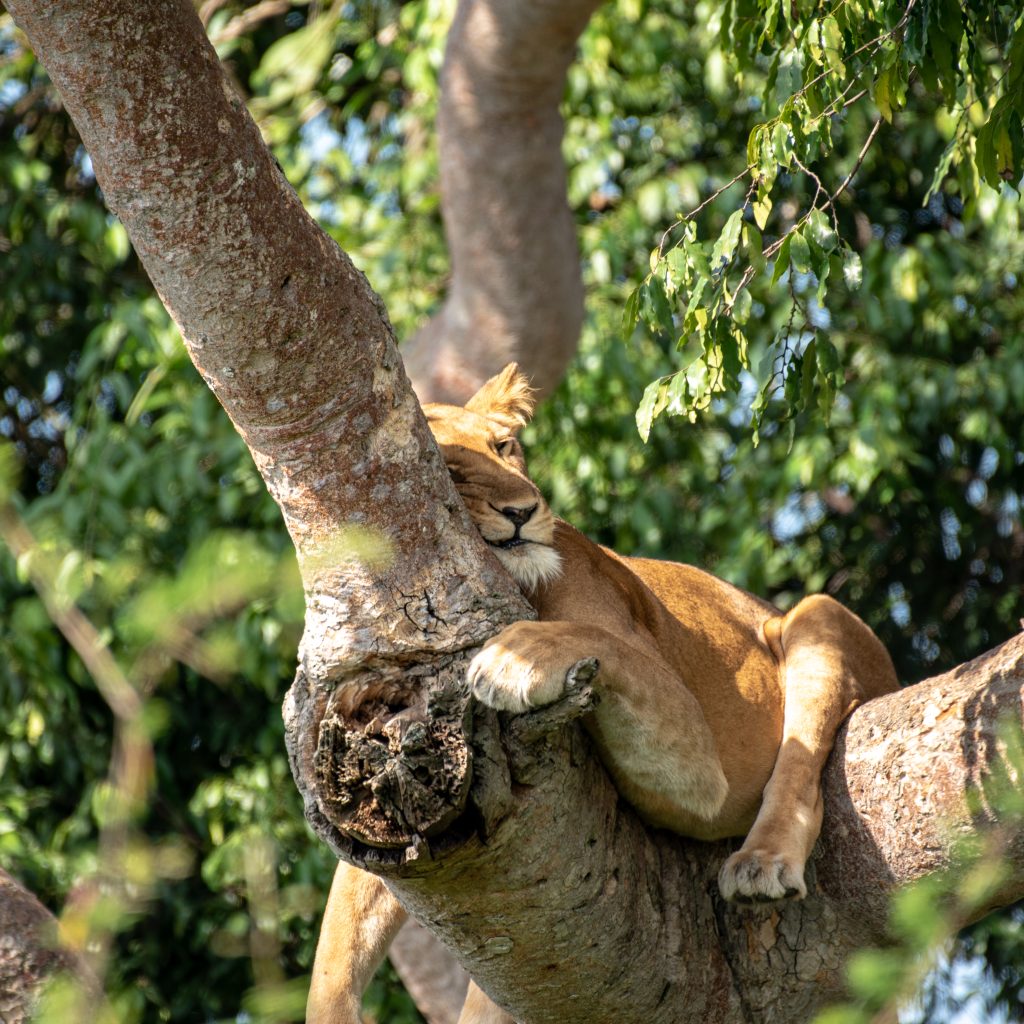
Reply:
x=484, y=457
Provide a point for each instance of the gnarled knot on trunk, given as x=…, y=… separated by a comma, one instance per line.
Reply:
x=393, y=763
x=394, y=760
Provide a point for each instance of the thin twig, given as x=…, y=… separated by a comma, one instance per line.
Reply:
x=693, y=213
x=860, y=159
x=80, y=633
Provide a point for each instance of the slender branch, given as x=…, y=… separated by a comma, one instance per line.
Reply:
x=121, y=697
x=856, y=166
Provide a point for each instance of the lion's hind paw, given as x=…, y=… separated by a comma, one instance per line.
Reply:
x=759, y=876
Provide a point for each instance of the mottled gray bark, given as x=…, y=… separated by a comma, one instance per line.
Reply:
x=507, y=839
x=515, y=292
x=30, y=953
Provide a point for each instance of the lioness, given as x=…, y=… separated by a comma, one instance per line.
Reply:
x=717, y=713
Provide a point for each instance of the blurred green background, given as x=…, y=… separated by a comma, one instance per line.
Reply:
x=148, y=512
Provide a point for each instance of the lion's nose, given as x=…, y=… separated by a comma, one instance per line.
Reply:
x=518, y=516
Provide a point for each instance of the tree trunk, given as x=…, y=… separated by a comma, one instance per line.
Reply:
x=515, y=292
x=506, y=838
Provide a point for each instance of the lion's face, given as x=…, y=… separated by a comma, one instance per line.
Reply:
x=484, y=457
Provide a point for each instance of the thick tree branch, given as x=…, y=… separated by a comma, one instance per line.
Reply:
x=286, y=332
x=299, y=350
x=549, y=889
x=515, y=292
x=629, y=920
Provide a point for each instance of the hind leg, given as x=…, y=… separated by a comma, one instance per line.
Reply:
x=361, y=919
x=478, y=1009
x=830, y=662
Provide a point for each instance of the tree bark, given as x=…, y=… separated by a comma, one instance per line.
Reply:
x=505, y=837
x=564, y=907
x=515, y=292
x=30, y=952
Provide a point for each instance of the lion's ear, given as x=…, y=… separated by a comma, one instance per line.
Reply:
x=506, y=398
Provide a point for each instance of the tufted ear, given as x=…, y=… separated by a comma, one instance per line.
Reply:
x=506, y=398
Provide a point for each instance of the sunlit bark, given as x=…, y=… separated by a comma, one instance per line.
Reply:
x=513, y=846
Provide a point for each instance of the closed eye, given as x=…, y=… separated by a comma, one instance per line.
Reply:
x=506, y=448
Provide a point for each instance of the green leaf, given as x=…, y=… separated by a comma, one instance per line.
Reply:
x=762, y=207
x=790, y=76
x=985, y=154
x=691, y=306
x=829, y=369
x=631, y=314
x=724, y=248
x=293, y=64
x=782, y=259
x=917, y=914
x=915, y=36
x=808, y=372
x=741, y=306
x=828, y=358
x=657, y=309
x=883, y=94
x=800, y=252
x=698, y=257
x=782, y=143
x=754, y=144
x=1004, y=153
x=680, y=270
x=770, y=21
x=876, y=974
x=832, y=39
x=822, y=231
x=649, y=406
x=814, y=45
x=753, y=248
x=732, y=345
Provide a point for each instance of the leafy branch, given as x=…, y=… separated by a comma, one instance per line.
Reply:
x=813, y=70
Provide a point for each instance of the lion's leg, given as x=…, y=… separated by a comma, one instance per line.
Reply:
x=650, y=728
x=830, y=663
x=478, y=1009
x=361, y=919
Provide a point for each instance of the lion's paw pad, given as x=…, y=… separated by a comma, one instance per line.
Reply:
x=759, y=876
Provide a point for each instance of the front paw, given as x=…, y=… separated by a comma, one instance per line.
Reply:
x=760, y=876
x=517, y=671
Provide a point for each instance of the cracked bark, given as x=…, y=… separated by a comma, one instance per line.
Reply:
x=518, y=853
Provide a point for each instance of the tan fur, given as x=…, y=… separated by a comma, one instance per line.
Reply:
x=717, y=712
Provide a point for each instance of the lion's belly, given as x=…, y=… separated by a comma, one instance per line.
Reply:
x=655, y=778
x=744, y=708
